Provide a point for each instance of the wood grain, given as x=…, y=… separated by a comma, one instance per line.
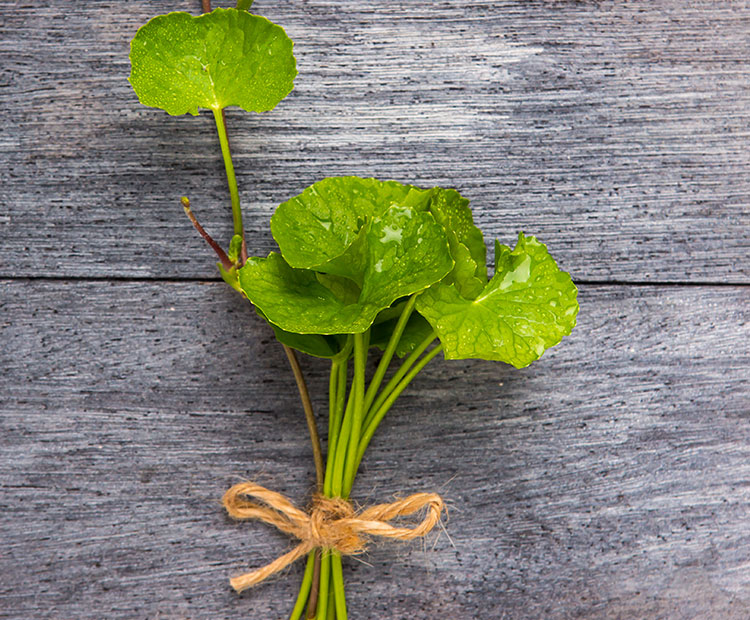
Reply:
x=607, y=480
x=616, y=132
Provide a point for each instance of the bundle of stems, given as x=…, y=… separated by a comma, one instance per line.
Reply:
x=355, y=409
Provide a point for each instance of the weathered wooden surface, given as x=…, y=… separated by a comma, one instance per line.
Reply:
x=617, y=132
x=608, y=480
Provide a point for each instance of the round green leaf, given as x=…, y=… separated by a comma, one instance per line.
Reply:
x=181, y=63
x=527, y=307
x=404, y=252
x=317, y=227
x=296, y=301
x=322, y=228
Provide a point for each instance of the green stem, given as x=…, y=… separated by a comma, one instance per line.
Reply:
x=234, y=195
x=390, y=349
x=304, y=590
x=358, y=411
x=400, y=373
x=395, y=393
x=333, y=422
x=325, y=575
x=244, y=5
x=337, y=397
x=344, y=437
x=339, y=597
x=331, y=571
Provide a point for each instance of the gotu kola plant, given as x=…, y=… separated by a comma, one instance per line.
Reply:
x=362, y=264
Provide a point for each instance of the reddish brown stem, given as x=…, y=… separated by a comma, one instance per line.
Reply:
x=312, y=602
x=309, y=416
x=225, y=262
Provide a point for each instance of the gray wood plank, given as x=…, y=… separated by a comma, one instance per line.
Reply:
x=609, y=479
x=616, y=132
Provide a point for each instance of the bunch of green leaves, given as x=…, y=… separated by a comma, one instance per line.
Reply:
x=354, y=252
x=362, y=263
x=366, y=263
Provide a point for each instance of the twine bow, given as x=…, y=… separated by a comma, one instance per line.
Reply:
x=332, y=523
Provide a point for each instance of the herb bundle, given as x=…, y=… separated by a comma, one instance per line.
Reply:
x=363, y=264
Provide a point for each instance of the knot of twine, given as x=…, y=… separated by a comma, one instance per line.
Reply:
x=332, y=523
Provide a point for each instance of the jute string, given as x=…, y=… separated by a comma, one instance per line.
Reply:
x=332, y=523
